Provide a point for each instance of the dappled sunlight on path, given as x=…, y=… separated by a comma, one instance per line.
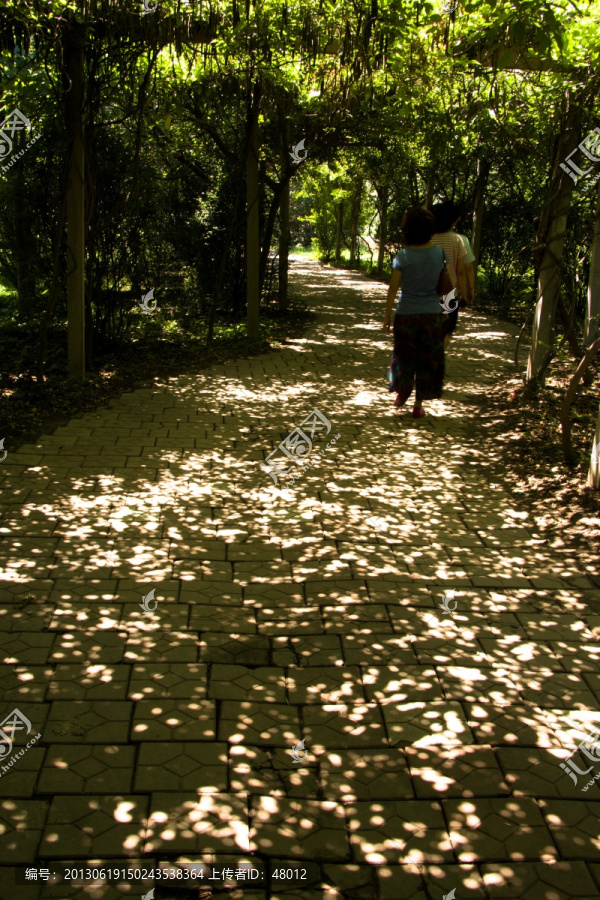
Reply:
x=394, y=608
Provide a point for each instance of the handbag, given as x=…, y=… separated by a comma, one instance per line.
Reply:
x=393, y=374
x=444, y=285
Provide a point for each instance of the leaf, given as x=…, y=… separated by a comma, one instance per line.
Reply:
x=519, y=33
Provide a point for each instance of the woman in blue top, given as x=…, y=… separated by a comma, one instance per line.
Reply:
x=418, y=339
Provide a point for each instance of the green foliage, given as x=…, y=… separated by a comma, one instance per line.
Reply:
x=391, y=98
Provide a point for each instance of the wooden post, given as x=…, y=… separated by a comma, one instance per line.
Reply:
x=552, y=233
x=593, y=479
x=483, y=171
x=592, y=313
x=73, y=60
x=383, y=209
x=253, y=223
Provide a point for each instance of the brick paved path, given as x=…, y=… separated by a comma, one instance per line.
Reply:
x=433, y=741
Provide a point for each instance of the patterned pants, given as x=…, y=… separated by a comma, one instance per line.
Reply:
x=419, y=352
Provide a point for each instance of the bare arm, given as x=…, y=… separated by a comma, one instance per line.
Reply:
x=470, y=273
x=462, y=281
x=391, y=295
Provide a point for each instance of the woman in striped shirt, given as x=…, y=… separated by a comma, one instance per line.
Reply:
x=446, y=216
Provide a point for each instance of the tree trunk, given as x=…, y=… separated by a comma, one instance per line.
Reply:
x=253, y=220
x=551, y=241
x=284, y=246
x=218, y=292
x=24, y=251
x=338, y=238
x=592, y=313
x=74, y=77
x=565, y=412
x=354, y=219
x=384, y=194
x=567, y=318
x=429, y=192
x=593, y=479
x=483, y=171
x=269, y=228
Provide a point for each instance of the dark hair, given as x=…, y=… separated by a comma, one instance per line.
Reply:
x=445, y=215
x=418, y=226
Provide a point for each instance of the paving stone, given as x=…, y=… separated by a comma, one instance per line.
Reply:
x=438, y=881
x=174, y=720
x=235, y=649
x=167, y=618
x=271, y=772
x=262, y=685
x=21, y=775
x=399, y=831
x=98, y=590
x=29, y=617
x=94, y=826
x=25, y=683
x=300, y=650
x=526, y=726
x=366, y=649
x=205, y=569
x=89, y=646
x=9, y=887
x=272, y=724
x=186, y=822
x=336, y=592
x=536, y=772
x=308, y=650
x=174, y=646
x=225, y=619
x=398, y=683
x=89, y=682
x=575, y=827
x=207, y=592
x=25, y=647
x=262, y=572
x=349, y=880
x=441, y=651
x=311, y=829
x=176, y=681
x=511, y=829
x=269, y=596
x=425, y=723
x=522, y=656
x=399, y=594
x=182, y=767
x=479, y=684
x=81, y=617
x=357, y=619
x=195, y=548
x=104, y=769
x=534, y=880
x=21, y=826
x=365, y=775
x=555, y=627
x=325, y=685
x=458, y=771
x=23, y=594
x=333, y=726
x=88, y=722
x=294, y=620
x=559, y=690
x=577, y=657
